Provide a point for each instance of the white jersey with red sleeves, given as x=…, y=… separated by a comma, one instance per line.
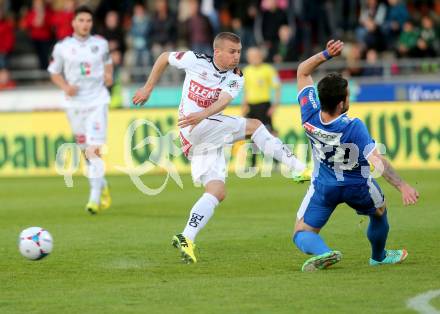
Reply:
x=203, y=81
x=82, y=64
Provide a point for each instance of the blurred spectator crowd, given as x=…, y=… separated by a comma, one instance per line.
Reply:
x=287, y=30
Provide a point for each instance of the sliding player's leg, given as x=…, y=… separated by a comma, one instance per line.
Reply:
x=311, y=218
x=369, y=200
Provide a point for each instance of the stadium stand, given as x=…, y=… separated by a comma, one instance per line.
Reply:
x=384, y=39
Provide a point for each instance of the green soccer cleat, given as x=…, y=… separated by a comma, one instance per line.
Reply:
x=303, y=176
x=186, y=247
x=93, y=208
x=391, y=257
x=322, y=261
x=106, y=199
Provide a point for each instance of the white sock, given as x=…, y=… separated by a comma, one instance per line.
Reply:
x=200, y=214
x=96, y=178
x=95, y=190
x=271, y=145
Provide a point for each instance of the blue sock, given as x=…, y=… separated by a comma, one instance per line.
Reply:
x=310, y=243
x=377, y=235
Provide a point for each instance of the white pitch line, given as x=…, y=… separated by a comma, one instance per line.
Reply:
x=420, y=303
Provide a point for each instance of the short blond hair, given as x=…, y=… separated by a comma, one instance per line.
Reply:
x=226, y=36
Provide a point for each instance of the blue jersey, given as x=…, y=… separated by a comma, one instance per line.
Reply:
x=340, y=147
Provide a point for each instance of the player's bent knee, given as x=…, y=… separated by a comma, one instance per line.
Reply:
x=302, y=226
x=252, y=125
x=220, y=195
x=92, y=152
x=217, y=189
x=380, y=211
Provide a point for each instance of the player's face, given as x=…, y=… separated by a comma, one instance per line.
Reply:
x=227, y=55
x=254, y=56
x=82, y=24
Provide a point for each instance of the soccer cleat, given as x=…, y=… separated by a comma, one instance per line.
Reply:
x=303, y=176
x=391, y=257
x=93, y=208
x=106, y=199
x=322, y=261
x=186, y=247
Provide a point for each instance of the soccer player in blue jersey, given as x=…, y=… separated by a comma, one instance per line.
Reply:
x=342, y=151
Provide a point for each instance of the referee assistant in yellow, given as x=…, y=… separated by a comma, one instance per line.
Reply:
x=260, y=82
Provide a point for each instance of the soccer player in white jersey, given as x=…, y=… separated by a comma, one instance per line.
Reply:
x=210, y=85
x=82, y=68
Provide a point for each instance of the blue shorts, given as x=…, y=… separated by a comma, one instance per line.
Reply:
x=321, y=200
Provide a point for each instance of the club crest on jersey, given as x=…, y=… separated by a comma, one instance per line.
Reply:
x=329, y=138
x=94, y=49
x=233, y=84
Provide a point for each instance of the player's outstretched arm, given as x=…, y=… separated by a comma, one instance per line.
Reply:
x=143, y=93
x=194, y=118
x=409, y=194
x=306, y=68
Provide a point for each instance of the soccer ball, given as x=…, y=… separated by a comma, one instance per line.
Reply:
x=35, y=243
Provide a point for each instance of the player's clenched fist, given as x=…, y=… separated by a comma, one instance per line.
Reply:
x=140, y=97
x=71, y=90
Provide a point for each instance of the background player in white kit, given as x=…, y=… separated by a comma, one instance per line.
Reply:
x=210, y=85
x=82, y=68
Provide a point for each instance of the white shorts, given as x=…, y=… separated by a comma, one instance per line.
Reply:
x=89, y=124
x=204, y=145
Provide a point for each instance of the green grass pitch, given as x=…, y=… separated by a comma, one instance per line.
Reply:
x=122, y=261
